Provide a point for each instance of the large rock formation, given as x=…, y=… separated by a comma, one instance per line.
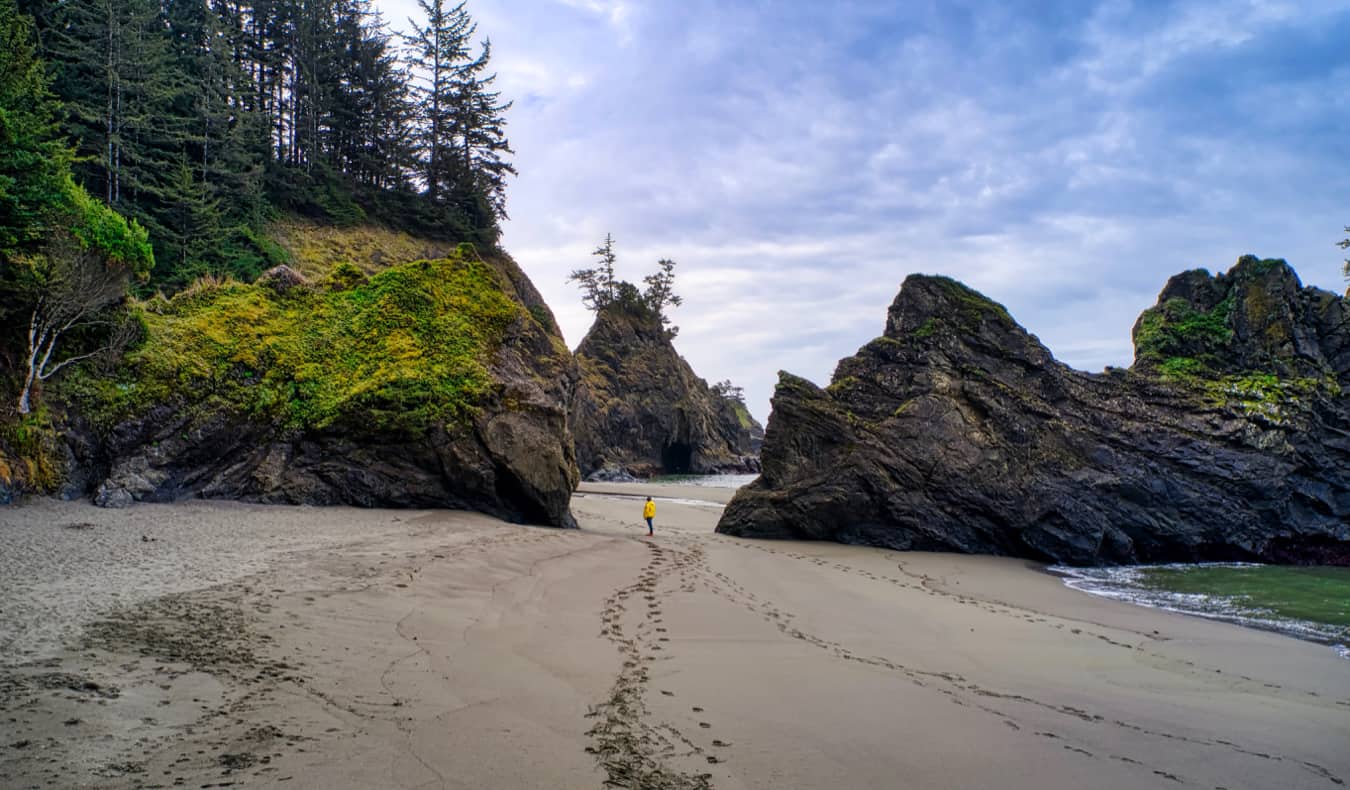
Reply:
x=640, y=408
x=957, y=431
x=440, y=383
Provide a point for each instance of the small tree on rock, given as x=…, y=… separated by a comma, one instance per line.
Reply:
x=725, y=389
x=660, y=292
x=1345, y=244
x=72, y=283
x=599, y=287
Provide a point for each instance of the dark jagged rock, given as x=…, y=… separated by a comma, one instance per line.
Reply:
x=640, y=406
x=610, y=474
x=957, y=431
x=1255, y=318
x=415, y=424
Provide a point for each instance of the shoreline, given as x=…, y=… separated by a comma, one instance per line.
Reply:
x=1294, y=629
x=445, y=649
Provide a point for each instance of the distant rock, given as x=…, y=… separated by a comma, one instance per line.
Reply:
x=640, y=407
x=610, y=474
x=956, y=430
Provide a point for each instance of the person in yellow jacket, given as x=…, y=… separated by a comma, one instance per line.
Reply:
x=649, y=513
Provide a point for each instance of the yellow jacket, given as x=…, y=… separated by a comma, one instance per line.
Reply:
x=649, y=510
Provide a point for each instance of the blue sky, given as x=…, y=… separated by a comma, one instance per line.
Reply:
x=799, y=159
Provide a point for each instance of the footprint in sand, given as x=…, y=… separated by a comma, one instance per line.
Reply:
x=705, y=725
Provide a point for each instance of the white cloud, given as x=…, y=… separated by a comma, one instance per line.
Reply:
x=798, y=160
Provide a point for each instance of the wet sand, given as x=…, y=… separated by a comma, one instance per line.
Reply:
x=251, y=646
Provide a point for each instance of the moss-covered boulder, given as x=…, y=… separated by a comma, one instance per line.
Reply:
x=641, y=409
x=956, y=430
x=430, y=383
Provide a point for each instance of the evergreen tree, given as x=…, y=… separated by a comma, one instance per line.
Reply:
x=202, y=118
x=64, y=256
x=1345, y=244
x=438, y=51
x=660, y=293
x=599, y=286
x=33, y=160
x=480, y=125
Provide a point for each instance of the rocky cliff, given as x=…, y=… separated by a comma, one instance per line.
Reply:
x=432, y=383
x=956, y=430
x=640, y=407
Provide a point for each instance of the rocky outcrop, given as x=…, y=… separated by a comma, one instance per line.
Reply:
x=439, y=383
x=640, y=407
x=957, y=431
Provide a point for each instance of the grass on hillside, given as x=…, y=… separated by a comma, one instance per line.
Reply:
x=315, y=250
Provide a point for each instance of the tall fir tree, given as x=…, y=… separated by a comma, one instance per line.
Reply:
x=439, y=48
x=33, y=160
x=480, y=126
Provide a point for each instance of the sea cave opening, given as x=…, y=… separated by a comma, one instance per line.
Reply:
x=677, y=458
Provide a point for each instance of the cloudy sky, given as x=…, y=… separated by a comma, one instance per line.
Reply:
x=798, y=159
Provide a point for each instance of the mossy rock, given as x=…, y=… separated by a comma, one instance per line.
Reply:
x=409, y=347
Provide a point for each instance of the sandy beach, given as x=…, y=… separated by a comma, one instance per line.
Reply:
x=227, y=645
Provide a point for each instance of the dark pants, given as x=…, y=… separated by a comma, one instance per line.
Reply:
x=649, y=526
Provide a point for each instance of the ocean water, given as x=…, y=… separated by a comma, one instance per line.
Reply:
x=1307, y=602
x=711, y=481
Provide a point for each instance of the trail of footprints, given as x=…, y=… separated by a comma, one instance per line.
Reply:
x=958, y=689
x=633, y=751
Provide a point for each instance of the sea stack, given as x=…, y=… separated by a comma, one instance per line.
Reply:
x=956, y=430
x=641, y=410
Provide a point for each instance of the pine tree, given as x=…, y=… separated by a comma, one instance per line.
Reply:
x=34, y=161
x=599, y=286
x=1345, y=244
x=201, y=118
x=660, y=293
x=438, y=50
x=480, y=124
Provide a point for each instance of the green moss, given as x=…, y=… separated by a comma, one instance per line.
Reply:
x=845, y=383
x=972, y=307
x=904, y=407
x=1181, y=367
x=742, y=415
x=1259, y=267
x=1180, y=340
x=29, y=456
x=927, y=328
x=401, y=351
x=345, y=276
x=542, y=317
x=1266, y=395
x=979, y=374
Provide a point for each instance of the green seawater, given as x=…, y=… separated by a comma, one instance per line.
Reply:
x=1315, y=595
x=1307, y=602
